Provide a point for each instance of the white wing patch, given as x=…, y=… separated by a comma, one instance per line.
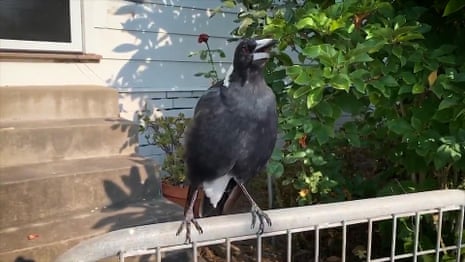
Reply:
x=214, y=189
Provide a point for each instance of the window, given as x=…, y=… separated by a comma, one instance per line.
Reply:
x=41, y=25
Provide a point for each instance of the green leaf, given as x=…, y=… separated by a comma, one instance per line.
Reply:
x=229, y=4
x=325, y=109
x=306, y=22
x=448, y=59
x=358, y=78
x=360, y=58
x=323, y=132
x=353, y=139
x=409, y=36
x=418, y=88
x=445, y=154
x=222, y=54
x=319, y=50
x=285, y=59
x=203, y=54
x=349, y=103
x=379, y=85
x=388, y=80
x=399, y=126
x=352, y=134
x=294, y=71
x=303, y=78
x=408, y=77
x=418, y=67
x=246, y=22
x=416, y=123
x=296, y=155
x=444, y=116
x=443, y=50
x=275, y=169
x=314, y=97
x=405, y=89
x=336, y=24
x=341, y=81
x=397, y=51
x=453, y=6
x=318, y=160
x=277, y=154
x=301, y=91
x=446, y=103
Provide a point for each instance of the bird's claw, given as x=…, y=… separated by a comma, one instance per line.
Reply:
x=187, y=222
x=262, y=217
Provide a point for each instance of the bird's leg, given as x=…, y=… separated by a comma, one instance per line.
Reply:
x=189, y=216
x=256, y=211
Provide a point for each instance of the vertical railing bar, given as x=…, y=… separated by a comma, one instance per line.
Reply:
x=317, y=242
x=259, y=248
x=393, y=239
x=158, y=254
x=417, y=234
x=438, y=238
x=228, y=250
x=194, y=251
x=460, y=233
x=121, y=256
x=289, y=246
x=344, y=240
x=370, y=238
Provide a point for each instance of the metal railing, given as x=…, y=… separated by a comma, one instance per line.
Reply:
x=158, y=238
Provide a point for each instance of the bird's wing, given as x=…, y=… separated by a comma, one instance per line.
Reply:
x=211, y=146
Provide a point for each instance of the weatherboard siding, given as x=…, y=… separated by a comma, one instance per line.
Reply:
x=144, y=46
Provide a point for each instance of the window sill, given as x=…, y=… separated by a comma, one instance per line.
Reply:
x=48, y=57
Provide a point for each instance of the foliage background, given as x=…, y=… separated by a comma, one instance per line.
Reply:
x=396, y=67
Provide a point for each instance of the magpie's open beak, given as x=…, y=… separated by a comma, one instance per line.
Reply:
x=262, y=50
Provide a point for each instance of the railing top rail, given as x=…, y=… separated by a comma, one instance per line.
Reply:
x=231, y=226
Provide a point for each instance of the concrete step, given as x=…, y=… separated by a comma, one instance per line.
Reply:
x=45, y=190
x=54, y=236
x=22, y=103
x=27, y=142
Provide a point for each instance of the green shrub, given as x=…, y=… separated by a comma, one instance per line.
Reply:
x=396, y=67
x=168, y=134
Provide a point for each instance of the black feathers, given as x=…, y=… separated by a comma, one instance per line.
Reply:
x=232, y=134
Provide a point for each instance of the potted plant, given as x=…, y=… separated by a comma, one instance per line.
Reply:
x=167, y=133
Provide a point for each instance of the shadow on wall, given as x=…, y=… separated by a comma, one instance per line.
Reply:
x=132, y=132
x=154, y=46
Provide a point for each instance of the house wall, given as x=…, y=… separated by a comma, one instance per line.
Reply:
x=144, y=47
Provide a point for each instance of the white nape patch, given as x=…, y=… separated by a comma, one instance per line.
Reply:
x=215, y=189
x=228, y=75
x=261, y=55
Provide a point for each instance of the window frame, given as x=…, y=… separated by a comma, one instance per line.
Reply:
x=76, y=44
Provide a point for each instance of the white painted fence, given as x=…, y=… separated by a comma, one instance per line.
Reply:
x=158, y=238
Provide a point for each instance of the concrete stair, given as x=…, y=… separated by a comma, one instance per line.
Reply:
x=26, y=142
x=68, y=171
x=57, y=234
x=22, y=103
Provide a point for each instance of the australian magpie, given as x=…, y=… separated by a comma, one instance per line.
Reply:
x=231, y=136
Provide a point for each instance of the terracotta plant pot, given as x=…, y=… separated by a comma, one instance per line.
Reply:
x=178, y=195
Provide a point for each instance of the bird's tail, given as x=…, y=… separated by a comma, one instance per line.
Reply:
x=230, y=195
